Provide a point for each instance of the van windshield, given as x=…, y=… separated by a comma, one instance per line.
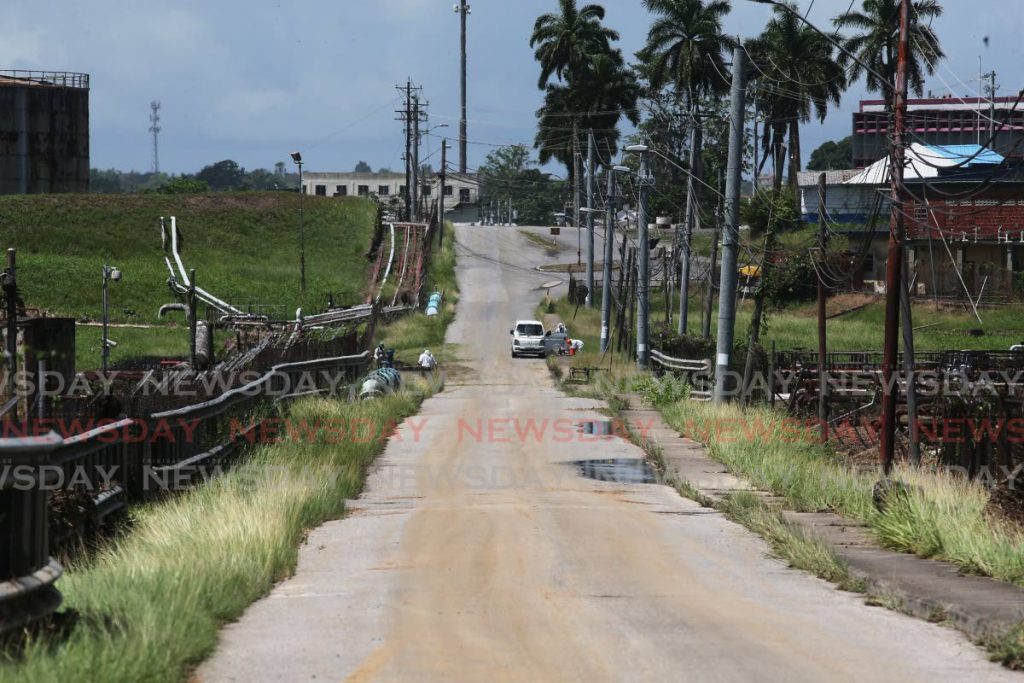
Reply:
x=530, y=330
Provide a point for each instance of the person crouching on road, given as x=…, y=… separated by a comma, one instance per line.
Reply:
x=427, y=362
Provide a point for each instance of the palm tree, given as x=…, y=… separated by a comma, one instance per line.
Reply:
x=684, y=50
x=876, y=44
x=799, y=77
x=685, y=47
x=593, y=87
x=565, y=41
x=605, y=91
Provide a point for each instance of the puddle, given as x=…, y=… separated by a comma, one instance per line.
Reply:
x=619, y=470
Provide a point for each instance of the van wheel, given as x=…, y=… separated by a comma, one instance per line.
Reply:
x=514, y=354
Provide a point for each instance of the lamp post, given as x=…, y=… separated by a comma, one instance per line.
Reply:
x=297, y=158
x=109, y=273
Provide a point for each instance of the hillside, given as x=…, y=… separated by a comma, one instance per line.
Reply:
x=244, y=247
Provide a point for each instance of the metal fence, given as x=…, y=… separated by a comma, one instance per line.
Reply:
x=113, y=465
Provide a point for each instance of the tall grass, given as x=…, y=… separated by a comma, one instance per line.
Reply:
x=151, y=603
x=412, y=333
x=939, y=515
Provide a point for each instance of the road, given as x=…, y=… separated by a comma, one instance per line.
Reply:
x=477, y=554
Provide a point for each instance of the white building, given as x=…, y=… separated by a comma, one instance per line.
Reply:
x=460, y=192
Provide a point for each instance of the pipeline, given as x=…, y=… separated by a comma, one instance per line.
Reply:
x=434, y=304
x=380, y=382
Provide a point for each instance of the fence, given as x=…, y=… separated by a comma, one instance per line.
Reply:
x=698, y=372
x=167, y=449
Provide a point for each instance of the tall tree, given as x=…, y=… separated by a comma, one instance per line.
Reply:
x=565, y=41
x=800, y=77
x=875, y=42
x=586, y=82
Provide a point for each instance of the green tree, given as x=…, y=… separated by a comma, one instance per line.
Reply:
x=223, y=175
x=875, y=42
x=832, y=155
x=586, y=82
x=183, y=184
x=363, y=167
x=566, y=41
x=800, y=77
x=508, y=173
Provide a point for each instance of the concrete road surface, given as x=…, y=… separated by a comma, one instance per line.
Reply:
x=478, y=554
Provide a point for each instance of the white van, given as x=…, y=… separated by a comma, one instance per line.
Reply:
x=528, y=338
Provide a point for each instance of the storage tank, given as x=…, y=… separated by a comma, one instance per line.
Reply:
x=44, y=132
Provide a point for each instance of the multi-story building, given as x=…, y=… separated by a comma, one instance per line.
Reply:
x=460, y=192
x=997, y=124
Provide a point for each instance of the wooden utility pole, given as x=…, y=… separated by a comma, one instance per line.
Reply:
x=440, y=191
x=822, y=296
x=893, y=266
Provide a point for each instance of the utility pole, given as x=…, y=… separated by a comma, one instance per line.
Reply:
x=730, y=242
x=464, y=10
x=822, y=296
x=609, y=254
x=991, y=75
x=894, y=262
x=908, y=368
x=692, y=210
x=415, y=157
x=590, y=218
x=440, y=191
x=406, y=116
x=154, y=128
x=576, y=190
x=643, y=287
x=708, y=303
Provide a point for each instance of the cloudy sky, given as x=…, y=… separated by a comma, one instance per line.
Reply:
x=252, y=80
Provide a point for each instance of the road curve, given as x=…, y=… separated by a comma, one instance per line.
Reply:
x=477, y=554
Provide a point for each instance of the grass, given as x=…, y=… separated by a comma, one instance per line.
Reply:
x=940, y=517
x=789, y=542
x=412, y=333
x=151, y=603
x=542, y=242
x=244, y=247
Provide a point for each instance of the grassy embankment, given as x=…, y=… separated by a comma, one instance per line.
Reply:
x=243, y=246
x=411, y=334
x=150, y=604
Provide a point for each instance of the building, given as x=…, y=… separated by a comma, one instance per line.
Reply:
x=461, y=193
x=44, y=132
x=997, y=124
x=964, y=219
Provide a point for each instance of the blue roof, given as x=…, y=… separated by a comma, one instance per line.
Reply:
x=959, y=154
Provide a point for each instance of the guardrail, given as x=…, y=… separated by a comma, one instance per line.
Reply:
x=691, y=368
x=114, y=464
x=27, y=572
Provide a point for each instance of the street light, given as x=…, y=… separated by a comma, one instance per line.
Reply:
x=297, y=158
x=109, y=273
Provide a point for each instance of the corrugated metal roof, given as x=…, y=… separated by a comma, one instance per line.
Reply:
x=925, y=161
x=809, y=178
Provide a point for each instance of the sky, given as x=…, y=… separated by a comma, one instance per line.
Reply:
x=252, y=80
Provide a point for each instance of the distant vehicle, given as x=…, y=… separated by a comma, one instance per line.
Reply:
x=528, y=339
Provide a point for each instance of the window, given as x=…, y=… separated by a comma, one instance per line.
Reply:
x=340, y=190
x=364, y=190
x=448, y=190
x=383, y=190
x=321, y=190
x=530, y=330
x=426, y=190
x=464, y=195
x=401, y=190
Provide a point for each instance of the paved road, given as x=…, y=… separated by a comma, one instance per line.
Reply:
x=477, y=554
